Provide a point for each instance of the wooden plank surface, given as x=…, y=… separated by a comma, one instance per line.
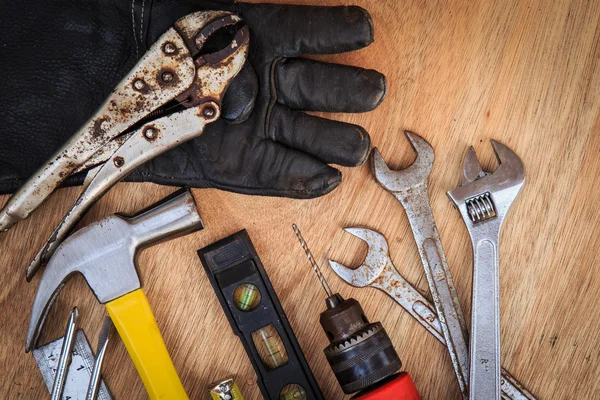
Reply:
x=460, y=72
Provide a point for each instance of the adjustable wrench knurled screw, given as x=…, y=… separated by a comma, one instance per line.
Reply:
x=483, y=200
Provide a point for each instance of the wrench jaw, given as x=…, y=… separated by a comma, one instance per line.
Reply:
x=471, y=168
x=486, y=197
x=417, y=173
x=375, y=262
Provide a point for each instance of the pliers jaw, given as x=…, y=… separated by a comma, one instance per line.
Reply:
x=214, y=70
x=168, y=98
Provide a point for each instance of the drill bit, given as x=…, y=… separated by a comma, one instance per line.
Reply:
x=360, y=353
x=312, y=261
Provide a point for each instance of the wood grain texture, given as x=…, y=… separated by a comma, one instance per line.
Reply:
x=460, y=72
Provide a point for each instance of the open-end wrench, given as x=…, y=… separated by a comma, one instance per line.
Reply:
x=483, y=200
x=379, y=272
x=410, y=187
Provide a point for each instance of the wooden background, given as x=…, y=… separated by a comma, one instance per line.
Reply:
x=524, y=72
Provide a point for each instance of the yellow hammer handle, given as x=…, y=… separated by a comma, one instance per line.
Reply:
x=137, y=327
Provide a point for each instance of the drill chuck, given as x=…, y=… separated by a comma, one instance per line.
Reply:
x=360, y=353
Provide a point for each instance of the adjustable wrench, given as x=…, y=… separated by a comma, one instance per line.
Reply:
x=410, y=186
x=379, y=272
x=483, y=200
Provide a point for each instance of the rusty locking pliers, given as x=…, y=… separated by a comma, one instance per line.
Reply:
x=167, y=99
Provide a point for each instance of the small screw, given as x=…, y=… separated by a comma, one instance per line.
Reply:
x=119, y=161
x=169, y=48
x=209, y=111
x=150, y=133
x=139, y=84
x=167, y=77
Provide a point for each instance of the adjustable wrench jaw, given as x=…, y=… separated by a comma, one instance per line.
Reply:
x=408, y=178
x=174, y=70
x=487, y=197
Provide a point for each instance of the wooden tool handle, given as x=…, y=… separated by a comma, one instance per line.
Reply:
x=137, y=327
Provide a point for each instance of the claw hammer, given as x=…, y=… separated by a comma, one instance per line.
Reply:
x=104, y=252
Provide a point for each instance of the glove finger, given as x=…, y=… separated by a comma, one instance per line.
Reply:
x=332, y=142
x=225, y=157
x=240, y=96
x=289, y=30
x=274, y=170
x=310, y=85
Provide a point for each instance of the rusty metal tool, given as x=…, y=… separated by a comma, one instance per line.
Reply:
x=379, y=272
x=64, y=359
x=360, y=354
x=410, y=187
x=483, y=200
x=169, y=97
x=94, y=385
x=104, y=252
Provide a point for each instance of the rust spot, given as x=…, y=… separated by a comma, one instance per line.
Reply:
x=139, y=106
x=100, y=127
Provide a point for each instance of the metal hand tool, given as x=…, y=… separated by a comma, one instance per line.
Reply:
x=483, y=200
x=225, y=390
x=169, y=97
x=94, y=385
x=378, y=271
x=65, y=356
x=104, y=252
x=79, y=372
x=410, y=187
x=360, y=354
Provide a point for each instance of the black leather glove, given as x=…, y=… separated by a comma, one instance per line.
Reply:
x=62, y=58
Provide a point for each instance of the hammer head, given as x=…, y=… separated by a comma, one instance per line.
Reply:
x=104, y=253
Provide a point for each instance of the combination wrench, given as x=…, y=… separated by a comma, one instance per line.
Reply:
x=410, y=187
x=483, y=199
x=379, y=272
